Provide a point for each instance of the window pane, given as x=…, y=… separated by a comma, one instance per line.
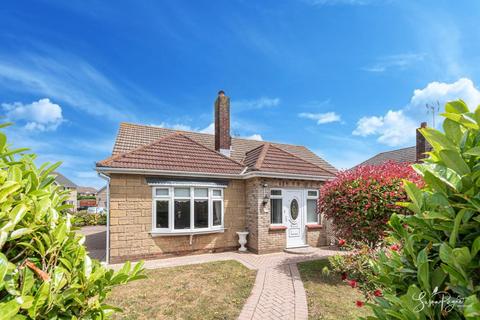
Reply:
x=276, y=210
x=217, y=213
x=276, y=192
x=182, y=192
x=312, y=211
x=201, y=213
x=217, y=193
x=162, y=214
x=182, y=214
x=201, y=192
x=161, y=192
x=313, y=193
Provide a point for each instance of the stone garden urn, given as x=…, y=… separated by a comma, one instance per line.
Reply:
x=242, y=240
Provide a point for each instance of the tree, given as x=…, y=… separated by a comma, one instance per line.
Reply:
x=434, y=273
x=360, y=201
x=45, y=272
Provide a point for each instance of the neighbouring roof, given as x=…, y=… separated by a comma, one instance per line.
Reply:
x=86, y=190
x=149, y=147
x=63, y=181
x=399, y=155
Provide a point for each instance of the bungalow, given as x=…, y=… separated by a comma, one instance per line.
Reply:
x=173, y=192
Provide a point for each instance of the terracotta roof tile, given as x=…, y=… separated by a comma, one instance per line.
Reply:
x=131, y=136
x=270, y=158
x=174, y=152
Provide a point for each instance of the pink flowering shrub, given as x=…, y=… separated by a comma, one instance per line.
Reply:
x=360, y=201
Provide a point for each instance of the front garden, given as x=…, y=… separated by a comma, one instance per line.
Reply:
x=328, y=296
x=215, y=290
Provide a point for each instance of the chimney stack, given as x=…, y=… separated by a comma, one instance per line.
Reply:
x=222, y=124
x=422, y=145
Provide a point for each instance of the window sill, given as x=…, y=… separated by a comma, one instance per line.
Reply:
x=184, y=233
x=313, y=226
x=277, y=228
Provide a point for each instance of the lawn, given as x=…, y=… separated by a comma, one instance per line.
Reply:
x=216, y=290
x=328, y=297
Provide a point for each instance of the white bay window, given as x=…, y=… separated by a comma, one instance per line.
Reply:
x=187, y=210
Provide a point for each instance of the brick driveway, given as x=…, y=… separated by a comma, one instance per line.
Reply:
x=278, y=292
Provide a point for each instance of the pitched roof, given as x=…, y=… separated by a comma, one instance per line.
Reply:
x=399, y=155
x=269, y=158
x=86, y=190
x=174, y=152
x=131, y=136
x=63, y=181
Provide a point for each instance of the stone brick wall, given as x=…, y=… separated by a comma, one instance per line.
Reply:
x=262, y=238
x=131, y=222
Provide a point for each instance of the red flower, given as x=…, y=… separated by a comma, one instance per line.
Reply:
x=359, y=303
x=352, y=283
x=394, y=247
x=344, y=276
x=377, y=293
x=341, y=242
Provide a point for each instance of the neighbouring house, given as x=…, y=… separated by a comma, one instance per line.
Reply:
x=86, y=197
x=86, y=191
x=102, y=197
x=409, y=154
x=67, y=184
x=173, y=192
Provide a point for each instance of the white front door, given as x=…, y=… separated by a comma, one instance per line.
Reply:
x=294, y=213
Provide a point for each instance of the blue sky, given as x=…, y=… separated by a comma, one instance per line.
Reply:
x=347, y=78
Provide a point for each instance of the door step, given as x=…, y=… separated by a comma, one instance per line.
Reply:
x=300, y=250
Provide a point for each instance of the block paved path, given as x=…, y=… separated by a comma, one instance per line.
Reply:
x=278, y=292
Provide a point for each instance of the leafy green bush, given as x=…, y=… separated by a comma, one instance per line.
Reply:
x=435, y=274
x=79, y=197
x=83, y=218
x=360, y=201
x=355, y=268
x=45, y=272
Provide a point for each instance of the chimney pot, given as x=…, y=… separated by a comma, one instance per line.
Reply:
x=222, y=124
x=422, y=145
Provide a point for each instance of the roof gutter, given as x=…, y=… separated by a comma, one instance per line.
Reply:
x=107, y=170
x=278, y=175
x=242, y=175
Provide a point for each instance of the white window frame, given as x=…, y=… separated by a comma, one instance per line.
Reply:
x=319, y=218
x=171, y=210
x=276, y=197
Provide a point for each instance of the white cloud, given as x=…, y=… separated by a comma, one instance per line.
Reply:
x=67, y=79
x=397, y=127
x=41, y=115
x=393, y=129
x=255, y=136
x=321, y=118
x=208, y=129
x=443, y=92
x=397, y=61
x=185, y=127
x=255, y=104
